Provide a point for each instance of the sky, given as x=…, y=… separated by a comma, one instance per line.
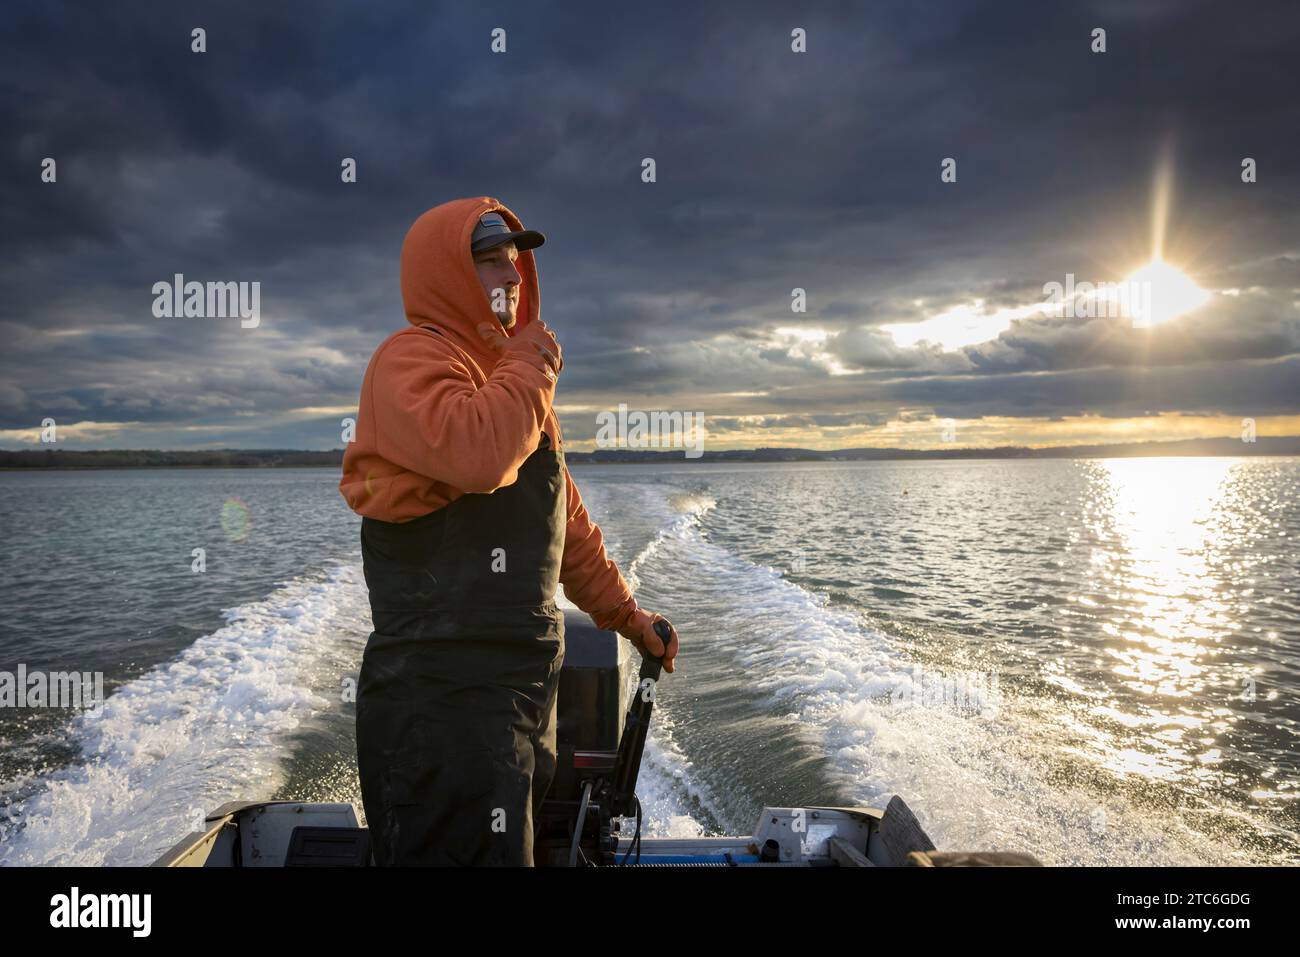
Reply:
x=924, y=317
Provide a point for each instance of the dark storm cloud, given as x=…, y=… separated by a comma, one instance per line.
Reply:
x=1245, y=389
x=775, y=171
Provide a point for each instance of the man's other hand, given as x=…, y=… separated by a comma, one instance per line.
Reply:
x=537, y=344
x=640, y=631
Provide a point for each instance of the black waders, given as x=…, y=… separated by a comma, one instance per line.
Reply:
x=456, y=698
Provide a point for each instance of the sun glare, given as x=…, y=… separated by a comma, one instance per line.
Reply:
x=1156, y=293
x=1166, y=293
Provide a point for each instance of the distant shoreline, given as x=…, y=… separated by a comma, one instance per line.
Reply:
x=27, y=460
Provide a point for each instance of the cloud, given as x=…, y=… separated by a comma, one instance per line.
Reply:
x=775, y=171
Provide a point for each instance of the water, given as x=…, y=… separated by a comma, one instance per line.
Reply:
x=1094, y=661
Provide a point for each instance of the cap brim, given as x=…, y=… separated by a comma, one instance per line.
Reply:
x=523, y=239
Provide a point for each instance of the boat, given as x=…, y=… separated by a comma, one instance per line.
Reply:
x=592, y=796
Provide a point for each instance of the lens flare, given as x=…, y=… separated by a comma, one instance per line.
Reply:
x=236, y=519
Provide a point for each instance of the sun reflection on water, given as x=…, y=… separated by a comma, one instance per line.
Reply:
x=1156, y=525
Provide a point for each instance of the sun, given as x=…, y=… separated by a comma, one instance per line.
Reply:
x=1163, y=293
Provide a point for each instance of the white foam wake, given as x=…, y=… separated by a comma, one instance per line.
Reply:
x=689, y=509
x=207, y=727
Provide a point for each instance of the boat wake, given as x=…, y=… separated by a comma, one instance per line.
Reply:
x=210, y=726
x=973, y=767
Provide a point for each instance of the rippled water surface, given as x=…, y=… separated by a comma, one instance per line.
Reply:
x=1091, y=660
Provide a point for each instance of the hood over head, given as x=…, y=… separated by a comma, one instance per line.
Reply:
x=440, y=284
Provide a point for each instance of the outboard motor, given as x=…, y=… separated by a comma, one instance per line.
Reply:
x=600, y=735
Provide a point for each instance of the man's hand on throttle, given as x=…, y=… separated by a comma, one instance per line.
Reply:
x=641, y=632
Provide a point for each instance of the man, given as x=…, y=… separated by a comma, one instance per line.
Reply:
x=470, y=518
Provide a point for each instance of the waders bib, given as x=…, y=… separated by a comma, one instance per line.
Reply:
x=456, y=698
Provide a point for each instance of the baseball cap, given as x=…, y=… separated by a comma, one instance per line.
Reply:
x=493, y=230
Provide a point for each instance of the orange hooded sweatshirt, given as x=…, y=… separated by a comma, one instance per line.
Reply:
x=443, y=414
